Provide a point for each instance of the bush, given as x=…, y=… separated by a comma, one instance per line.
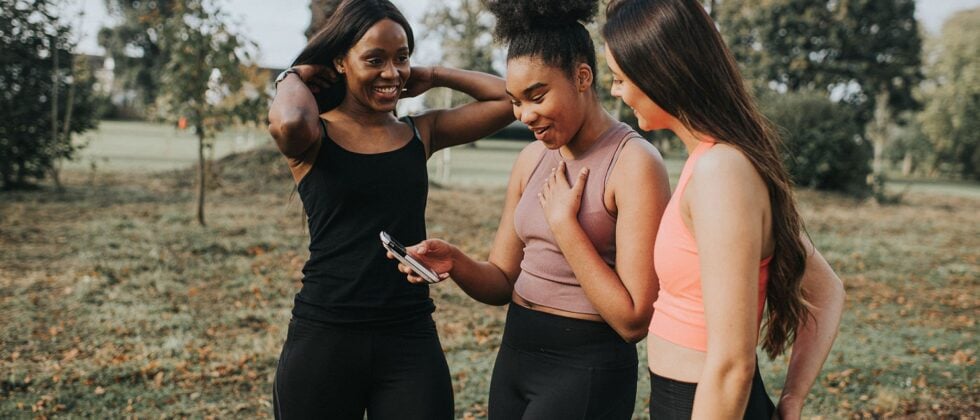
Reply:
x=824, y=146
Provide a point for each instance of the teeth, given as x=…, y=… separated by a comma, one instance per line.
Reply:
x=390, y=89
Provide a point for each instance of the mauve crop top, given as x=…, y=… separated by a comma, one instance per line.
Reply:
x=546, y=278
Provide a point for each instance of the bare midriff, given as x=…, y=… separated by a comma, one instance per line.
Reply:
x=674, y=361
x=516, y=298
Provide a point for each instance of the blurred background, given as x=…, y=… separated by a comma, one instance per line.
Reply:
x=151, y=239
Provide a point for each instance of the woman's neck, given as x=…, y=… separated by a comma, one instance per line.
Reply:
x=351, y=110
x=597, y=121
x=690, y=138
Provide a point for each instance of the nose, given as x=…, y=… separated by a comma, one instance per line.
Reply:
x=614, y=91
x=526, y=115
x=390, y=71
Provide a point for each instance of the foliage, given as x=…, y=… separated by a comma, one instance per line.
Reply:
x=206, y=79
x=951, y=119
x=463, y=28
x=862, y=52
x=45, y=92
x=822, y=150
x=133, y=44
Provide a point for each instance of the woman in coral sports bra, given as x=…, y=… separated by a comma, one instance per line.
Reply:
x=731, y=245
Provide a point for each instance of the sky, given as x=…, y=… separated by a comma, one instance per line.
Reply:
x=277, y=26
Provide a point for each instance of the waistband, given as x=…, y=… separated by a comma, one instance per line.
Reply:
x=573, y=340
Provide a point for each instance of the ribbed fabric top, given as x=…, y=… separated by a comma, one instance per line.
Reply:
x=546, y=278
x=678, y=314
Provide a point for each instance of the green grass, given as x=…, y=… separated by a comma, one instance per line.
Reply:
x=115, y=303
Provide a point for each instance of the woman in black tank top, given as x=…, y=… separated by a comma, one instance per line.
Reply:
x=362, y=339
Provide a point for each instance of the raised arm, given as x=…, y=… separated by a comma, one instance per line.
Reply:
x=624, y=296
x=814, y=338
x=293, y=116
x=491, y=281
x=464, y=124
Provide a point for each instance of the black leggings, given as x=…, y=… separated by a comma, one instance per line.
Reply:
x=671, y=399
x=553, y=367
x=327, y=371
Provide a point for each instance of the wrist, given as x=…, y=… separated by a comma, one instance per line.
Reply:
x=790, y=406
x=435, y=73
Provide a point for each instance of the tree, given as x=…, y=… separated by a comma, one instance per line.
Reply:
x=320, y=11
x=951, y=119
x=205, y=78
x=134, y=46
x=463, y=29
x=881, y=55
x=863, y=52
x=45, y=96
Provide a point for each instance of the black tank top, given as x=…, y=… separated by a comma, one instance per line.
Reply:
x=349, y=198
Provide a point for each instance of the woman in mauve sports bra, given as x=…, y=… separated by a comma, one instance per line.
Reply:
x=573, y=251
x=731, y=241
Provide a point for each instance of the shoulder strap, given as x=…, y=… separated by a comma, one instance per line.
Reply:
x=411, y=123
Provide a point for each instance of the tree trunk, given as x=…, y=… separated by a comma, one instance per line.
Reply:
x=202, y=170
x=878, y=131
x=907, y=164
x=55, y=144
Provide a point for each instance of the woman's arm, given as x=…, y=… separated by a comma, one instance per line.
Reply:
x=464, y=124
x=728, y=203
x=816, y=335
x=492, y=281
x=294, y=116
x=624, y=296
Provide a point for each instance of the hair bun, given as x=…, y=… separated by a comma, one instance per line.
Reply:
x=515, y=17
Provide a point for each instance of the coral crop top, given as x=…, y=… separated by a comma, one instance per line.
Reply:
x=678, y=315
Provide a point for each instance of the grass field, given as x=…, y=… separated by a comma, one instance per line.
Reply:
x=115, y=303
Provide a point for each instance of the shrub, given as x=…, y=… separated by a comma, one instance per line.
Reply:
x=823, y=143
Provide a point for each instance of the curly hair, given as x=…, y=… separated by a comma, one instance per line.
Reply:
x=552, y=30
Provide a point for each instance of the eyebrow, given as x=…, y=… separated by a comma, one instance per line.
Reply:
x=382, y=51
x=529, y=89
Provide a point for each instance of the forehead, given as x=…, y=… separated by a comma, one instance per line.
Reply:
x=610, y=60
x=523, y=72
x=385, y=34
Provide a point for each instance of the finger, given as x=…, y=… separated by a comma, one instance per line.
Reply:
x=404, y=269
x=389, y=255
x=443, y=276
x=583, y=176
x=560, y=177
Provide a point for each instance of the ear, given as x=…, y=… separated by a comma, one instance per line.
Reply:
x=583, y=77
x=338, y=65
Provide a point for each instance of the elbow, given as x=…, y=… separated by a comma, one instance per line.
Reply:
x=291, y=135
x=635, y=330
x=734, y=373
x=634, y=336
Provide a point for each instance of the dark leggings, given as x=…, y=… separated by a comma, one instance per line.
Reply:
x=327, y=371
x=670, y=399
x=553, y=367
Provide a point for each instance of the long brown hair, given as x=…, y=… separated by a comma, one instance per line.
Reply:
x=675, y=55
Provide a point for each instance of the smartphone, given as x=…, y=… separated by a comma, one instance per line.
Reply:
x=401, y=254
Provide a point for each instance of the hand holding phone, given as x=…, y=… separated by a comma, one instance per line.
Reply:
x=401, y=254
